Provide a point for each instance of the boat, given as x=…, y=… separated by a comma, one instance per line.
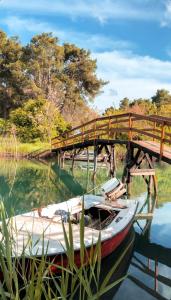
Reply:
x=42, y=230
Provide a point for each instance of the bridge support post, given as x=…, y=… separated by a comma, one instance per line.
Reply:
x=133, y=168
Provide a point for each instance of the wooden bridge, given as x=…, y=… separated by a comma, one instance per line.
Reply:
x=150, y=136
x=151, y=133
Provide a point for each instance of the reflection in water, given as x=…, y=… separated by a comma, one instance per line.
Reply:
x=150, y=268
x=121, y=270
x=152, y=260
x=26, y=184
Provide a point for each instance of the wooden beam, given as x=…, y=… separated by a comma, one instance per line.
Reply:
x=144, y=216
x=140, y=172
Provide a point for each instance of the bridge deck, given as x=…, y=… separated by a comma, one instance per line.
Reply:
x=154, y=148
x=119, y=129
x=150, y=147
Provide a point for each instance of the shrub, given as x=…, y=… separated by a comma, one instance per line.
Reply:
x=37, y=119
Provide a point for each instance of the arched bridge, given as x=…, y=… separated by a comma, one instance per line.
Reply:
x=151, y=133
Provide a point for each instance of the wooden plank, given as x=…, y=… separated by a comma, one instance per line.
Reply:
x=146, y=133
x=156, y=119
x=144, y=216
x=140, y=172
x=120, y=193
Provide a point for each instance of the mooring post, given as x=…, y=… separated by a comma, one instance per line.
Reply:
x=60, y=156
x=129, y=184
x=73, y=160
x=162, y=141
x=95, y=161
x=112, y=162
x=126, y=178
x=63, y=160
x=57, y=157
x=88, y=160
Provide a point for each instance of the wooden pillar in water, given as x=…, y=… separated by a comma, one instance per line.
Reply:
x=156, y=275
x=150, y=185
x=57, y=157
x=129, y=158
x=63, y=160
x=88, y=160
x=73, y=160
x=112, y=161
x=87, y=184
x=129, y=184
x=95, y=161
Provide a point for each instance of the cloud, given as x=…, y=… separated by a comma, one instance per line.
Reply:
x=131, y=75
x=100, y=10
x=20, y=26
x=166, y=19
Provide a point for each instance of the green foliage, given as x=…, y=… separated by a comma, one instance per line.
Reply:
x=44, y=68
x=37, y=120
x=162, y=97
x=12, y=78
x=3, y=125
x=64, y=74
x=124, y=103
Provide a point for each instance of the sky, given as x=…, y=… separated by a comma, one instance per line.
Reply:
x=131, y=39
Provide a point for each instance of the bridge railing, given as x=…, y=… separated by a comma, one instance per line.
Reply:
x=128, y=126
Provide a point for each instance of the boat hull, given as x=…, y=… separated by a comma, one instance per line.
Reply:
x=107, y=247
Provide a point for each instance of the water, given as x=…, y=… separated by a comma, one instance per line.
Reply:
x=25, y=185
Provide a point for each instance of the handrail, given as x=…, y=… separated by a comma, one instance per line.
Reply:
x=108, y=127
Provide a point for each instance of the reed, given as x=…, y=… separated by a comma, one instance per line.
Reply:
x=35, y=278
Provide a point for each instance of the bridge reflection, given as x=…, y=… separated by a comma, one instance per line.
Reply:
x=151, y=264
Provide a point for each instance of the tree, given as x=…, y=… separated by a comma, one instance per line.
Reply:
x=124, y=104
x=112, y=111
x=63, y=74
x=12, y=78
x=162, y=97
x=43, y=58
x=37, y=119
x=81, y=82
x=142, y=106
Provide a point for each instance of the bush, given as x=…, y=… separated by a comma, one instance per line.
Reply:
x=37, y=119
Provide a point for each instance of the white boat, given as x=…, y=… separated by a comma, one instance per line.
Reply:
x=41, y=231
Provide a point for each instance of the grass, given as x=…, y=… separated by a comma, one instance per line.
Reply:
x=12, y=147
x=34, y=278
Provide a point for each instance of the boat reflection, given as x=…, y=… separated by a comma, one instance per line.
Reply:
x=125, y=249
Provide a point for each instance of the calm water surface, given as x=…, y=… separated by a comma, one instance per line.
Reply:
x=26, y=184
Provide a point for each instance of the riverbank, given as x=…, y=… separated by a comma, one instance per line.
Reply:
x=10, y=147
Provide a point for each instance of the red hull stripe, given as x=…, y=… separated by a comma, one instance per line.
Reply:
x=107, y=247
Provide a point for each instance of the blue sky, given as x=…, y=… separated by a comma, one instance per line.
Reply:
x=131, y=39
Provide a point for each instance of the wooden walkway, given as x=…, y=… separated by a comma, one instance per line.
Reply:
x=152, y=134
x=153, y=148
